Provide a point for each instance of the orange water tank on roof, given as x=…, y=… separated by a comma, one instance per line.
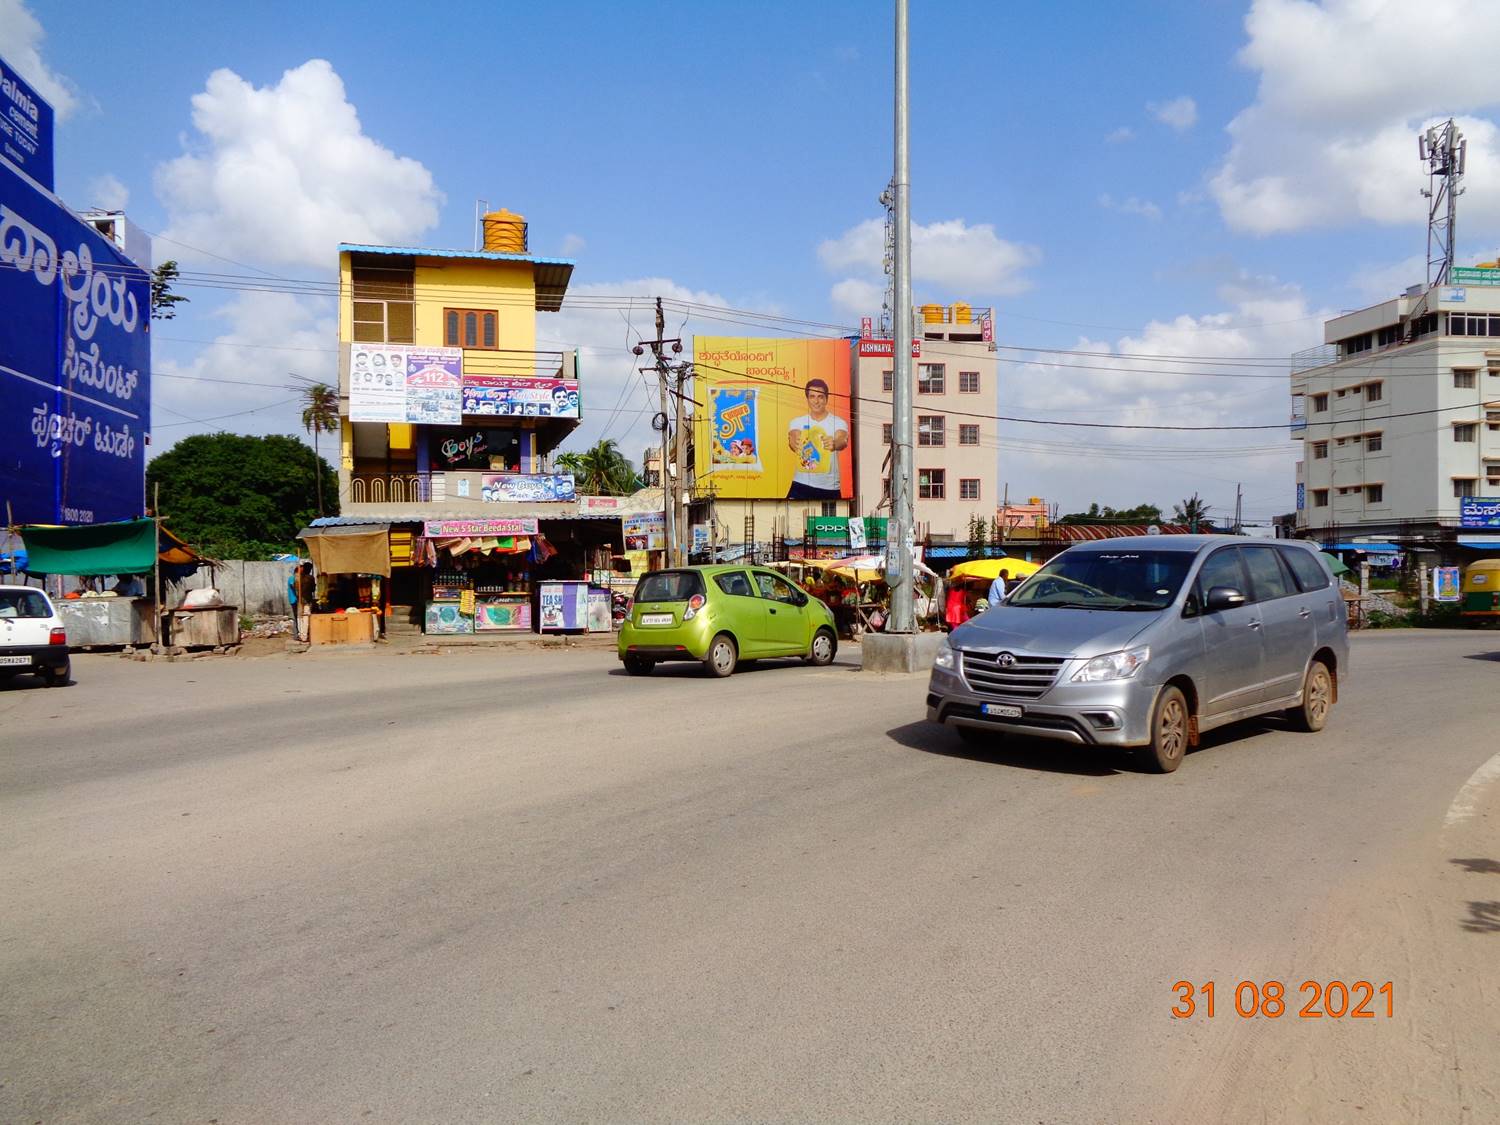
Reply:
x=504, y=232
x=932, y=314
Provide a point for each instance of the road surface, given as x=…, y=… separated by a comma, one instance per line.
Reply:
x=484, y=886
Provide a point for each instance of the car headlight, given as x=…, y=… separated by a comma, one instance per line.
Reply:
x=1113, y=666
x=946, y=658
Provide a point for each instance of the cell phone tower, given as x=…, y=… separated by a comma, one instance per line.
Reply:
x=1444, y=150
x=888, y=262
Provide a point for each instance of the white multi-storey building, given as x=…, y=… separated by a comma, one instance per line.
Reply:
x=1399, y=415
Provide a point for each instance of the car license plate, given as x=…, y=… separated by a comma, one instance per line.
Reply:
x=1001, y=710
x=17, y=660
x=656, y=619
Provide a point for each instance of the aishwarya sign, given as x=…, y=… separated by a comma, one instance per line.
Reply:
x=874, y=349
x=1479, y=511
x=472, y=529
x=25, y=126
x=515, y=396
x=402, y=383
x=75, y=360
x=527, y=487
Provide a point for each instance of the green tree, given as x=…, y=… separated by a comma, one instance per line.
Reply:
x=238, y=497
x=163, y=299
x=1141, y=513
x=1193, y=512
x=601, y=470
x=320, y=415
x=978, y=534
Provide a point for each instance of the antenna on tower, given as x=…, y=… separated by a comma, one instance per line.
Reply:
x=1444, y=150
x=888, y=263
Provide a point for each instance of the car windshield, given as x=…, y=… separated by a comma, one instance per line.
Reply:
x=23, y=603
x=1129, y=581
x=669, y=586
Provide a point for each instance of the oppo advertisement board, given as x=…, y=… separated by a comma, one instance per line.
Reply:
x=75, y=364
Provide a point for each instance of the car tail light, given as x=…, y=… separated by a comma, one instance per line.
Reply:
x=695, y=603
x=58, y=637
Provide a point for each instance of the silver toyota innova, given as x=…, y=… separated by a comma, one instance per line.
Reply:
x=1149, y=642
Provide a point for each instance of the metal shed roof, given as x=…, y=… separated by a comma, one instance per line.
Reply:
x=551, y=275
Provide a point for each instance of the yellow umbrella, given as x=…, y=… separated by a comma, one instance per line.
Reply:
x=991, y=568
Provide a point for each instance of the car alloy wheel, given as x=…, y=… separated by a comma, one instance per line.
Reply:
x=1169, y=731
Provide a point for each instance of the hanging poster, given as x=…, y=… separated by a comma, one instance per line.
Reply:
x=1445, y=583
x=514, y=396
x=527, y=487
x=856, y=533
x=402, y=383
x=646, y=531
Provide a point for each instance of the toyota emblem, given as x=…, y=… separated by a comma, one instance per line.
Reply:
x=1005, y=659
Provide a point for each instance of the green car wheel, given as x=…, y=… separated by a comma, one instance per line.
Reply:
x=722, y=656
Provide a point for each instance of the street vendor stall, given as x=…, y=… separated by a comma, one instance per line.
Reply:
x=352, y=563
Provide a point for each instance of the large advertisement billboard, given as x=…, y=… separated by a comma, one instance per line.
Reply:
x=516, y=396
x=404, y=383
x=773, y=418
x=75, y=365
x=25, y=127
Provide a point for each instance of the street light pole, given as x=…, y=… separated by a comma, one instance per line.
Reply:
x=903, y=511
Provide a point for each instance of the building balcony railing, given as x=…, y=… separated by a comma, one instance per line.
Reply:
x=1309, y=358
x=459, y=488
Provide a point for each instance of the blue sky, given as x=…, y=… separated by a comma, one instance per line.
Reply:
x=1188, y=179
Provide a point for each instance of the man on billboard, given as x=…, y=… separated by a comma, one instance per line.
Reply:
x=816, y=438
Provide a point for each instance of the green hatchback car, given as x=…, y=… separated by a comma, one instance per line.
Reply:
x=720, y=615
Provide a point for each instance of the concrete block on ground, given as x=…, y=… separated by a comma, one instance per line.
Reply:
x=898, y=652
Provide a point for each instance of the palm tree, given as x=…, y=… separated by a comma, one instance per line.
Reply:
x=1192, y=512
x=320, y=415
x=601, y=470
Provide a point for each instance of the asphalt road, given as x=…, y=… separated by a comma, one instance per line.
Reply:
x=486, y=886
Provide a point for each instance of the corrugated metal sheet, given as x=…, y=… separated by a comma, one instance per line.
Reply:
x=550, y=275
x=1078, y=532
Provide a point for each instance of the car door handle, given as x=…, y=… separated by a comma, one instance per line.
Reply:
x=1304, y=614
x=1253, y=624
x=773, y=611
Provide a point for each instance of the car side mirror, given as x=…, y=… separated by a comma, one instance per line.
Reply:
x=1190, y=607
x=1224, y=597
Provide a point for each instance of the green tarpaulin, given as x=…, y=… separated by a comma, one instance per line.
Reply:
x=128, y=547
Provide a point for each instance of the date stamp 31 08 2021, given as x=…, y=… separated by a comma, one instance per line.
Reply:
x=1313, y=1000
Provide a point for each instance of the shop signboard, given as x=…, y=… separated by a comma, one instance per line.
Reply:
x=473, y=529
x=1445, y=583
x=75, y=359
x=25, y=126
x=530, y=488
x=839, y=530
x=403, y=383
x=700, y=538
x=1479, y=511
x=885, y=349
x=646, y=531
x=775, y=423
x=517, y=396
x=600, y=505
x=563, y=605
x=1474, y=275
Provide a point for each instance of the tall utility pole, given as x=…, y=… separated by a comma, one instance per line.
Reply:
x=683, y=542
x=903, y=510
x=1238, y=509
x=1444, y=151
x=671, y=490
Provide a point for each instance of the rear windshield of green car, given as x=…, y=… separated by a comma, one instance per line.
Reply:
x=669, y=586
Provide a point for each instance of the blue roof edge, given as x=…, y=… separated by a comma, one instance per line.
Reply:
x=432, y=252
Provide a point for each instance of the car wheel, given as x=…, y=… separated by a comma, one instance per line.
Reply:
x=58, y=677
x=1169, y=731
x=1317, y=698
x=820, y=654
x=639, y=665
x=722, y=656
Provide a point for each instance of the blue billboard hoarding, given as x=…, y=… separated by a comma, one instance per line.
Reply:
x=25, y=127
x=1479, y=511
x=75, y=364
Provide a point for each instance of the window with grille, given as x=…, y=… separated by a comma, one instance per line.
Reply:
x=1374, y=392
x=931, y=379
x=1468, y=431
x=1463, y=486
x=930, y=430
x=968, y=382
x=1374, y=443
x=1320, y=403
x=1320, y=451
x=968, y=434
x=932, y=484
x=968, y=488
x=1375, y=493
x=830, y=507
x=383, y=309
x=470, y=328
x=885, y=433
x=1320, y=497
x=1464, y=378
x=885, y=382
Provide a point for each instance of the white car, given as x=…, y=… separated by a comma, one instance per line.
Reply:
x=32, y=637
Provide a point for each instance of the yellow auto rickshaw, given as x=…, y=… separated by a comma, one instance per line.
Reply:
x=1480, y=593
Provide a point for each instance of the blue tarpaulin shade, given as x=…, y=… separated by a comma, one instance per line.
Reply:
x=1369, y=548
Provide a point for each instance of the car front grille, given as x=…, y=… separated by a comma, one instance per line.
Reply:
x=1027, y=677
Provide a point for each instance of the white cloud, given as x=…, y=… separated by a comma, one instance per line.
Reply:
x=108, y=193
x=1179, y=113
x=282, y=174
x=242, y=381
x=572, y=244
x=952, y=256
x=21, y=38
x=1132, y=206
x=1345, y=86
x=855, y=297
x=1121, y=135
x=1133, y=379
